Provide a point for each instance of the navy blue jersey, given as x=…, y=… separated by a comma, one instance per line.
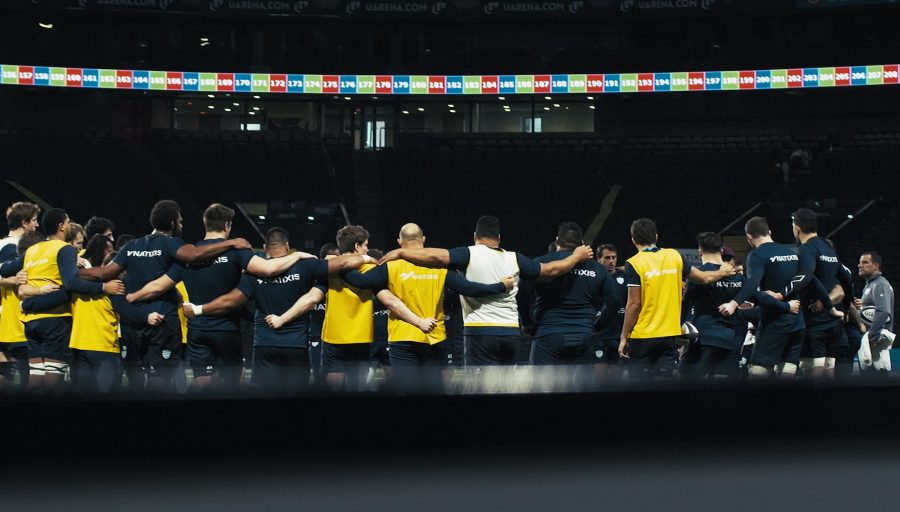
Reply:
x=209, y=279
x=528, y=268
x=569, y=303
x=819, y=259
x=703, y=302
x=317, y=318
x=380, y=315
x=611, y=318
x=146, y=259
x=772, y=266
x=275, y=295
x=8, y=251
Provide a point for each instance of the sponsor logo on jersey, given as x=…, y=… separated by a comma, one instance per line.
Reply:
x=582, y=272
x=144, y=254
x=787, y=257
x=289, y=278
x=412, y=275
x=650, y=274
x=828, y=259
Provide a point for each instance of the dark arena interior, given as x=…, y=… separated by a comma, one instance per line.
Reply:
x=416, y=255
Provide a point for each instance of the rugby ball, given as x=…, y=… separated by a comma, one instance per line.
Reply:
x=867, y=313
x=689, y=332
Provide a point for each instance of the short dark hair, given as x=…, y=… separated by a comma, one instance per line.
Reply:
x=19, y=213
x=806, y=220
x=97, y=225
x=95, y=248
x=29, y=239
x=709, y=242
x=757, y=227
x=74, y=229
x=376, y=253
x=608, y=247
x=327, y=249
x=569, y=235
x=51, y=220
x=487, y=226
x=216, y=216
x=277, y=235
x=123, y=240
x=348, y=236
x=164, y=215
x=643, y=231
x=876, y=258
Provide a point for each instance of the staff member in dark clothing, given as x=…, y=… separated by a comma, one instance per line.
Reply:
x=608, y=324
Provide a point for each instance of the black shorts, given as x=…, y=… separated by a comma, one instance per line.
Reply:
x=379, y=352
x=484, y=350
x=563, y=349
x=829, y=342
x=152, y=347
x=649, y=357
x=418, y=366
x=703, y=360
x=210, y=351
x=49, y=338
x=772, y=348
x=344, y=357
x=284, y=368
x=607, y=351
x=96, y=372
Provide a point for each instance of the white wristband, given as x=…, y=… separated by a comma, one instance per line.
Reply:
x=198, y=310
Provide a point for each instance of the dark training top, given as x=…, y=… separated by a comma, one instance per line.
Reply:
x=569, y=303
x=610, y=320
x=701, y=306
x=209, y=279
x=146, y=259
x=772, y=266
x=275, y=295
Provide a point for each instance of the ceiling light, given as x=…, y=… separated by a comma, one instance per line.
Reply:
x=256, y=97
x=347, y=98
x=176, y=108
x=556, y=105
x=546, y=108
x=547, y=98
x=252, y=113
x=449, y=105
x=262, y=217
x=256, y=108
x=210, y=107
x=204, y=44
x=204, y=39
x=310, y=217
x=210, y=95
x=236, y=104
x=421, y=109
x=406, y=111
x=590, y=97
x=46, y=25
x=502, y=98
x=592, y=107
x=452, y=111
x=227, y=109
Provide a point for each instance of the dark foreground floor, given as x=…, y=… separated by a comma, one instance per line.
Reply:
x=755, y=449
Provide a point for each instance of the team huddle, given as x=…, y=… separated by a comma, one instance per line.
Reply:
x=84, y=311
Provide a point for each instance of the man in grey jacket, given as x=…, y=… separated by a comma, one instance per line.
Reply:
x=877, y=294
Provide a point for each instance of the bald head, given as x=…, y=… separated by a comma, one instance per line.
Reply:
x=411, y=235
